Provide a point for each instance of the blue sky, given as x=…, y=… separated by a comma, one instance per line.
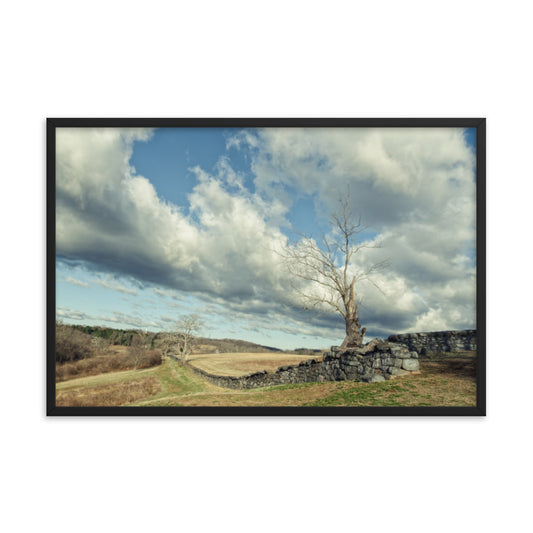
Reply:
x=155, y=224
x=170, y=155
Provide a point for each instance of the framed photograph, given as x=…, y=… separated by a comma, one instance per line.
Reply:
x=303, y=267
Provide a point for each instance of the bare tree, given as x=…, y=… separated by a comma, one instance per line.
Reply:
x=188, y=328
x=168, y=344
x=181, y=342
x=330, y=271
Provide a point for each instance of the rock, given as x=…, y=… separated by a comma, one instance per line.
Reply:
x=410, y=364
x=375, y=345
x=396, y=348
x=353, y=352
x=377, y=378
x=404, y=354
x=397, y=371
x=350, y=374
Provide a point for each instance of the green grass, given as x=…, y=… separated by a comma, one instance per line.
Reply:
x=369, y=394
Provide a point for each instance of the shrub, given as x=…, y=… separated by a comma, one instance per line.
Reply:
x=72, y=345
x=151, y=358
x=105, y=363
x=137, y=351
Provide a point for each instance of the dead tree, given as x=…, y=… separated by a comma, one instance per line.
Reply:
x=329, y=273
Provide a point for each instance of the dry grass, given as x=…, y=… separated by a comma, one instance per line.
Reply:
x=240, y=364
x=114, y=359
x=108, y=395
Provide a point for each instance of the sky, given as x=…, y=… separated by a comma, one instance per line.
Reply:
x=156, y=224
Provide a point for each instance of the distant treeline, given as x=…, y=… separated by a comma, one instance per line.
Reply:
x=307, y=351
x=124, y=337
x=121, y=337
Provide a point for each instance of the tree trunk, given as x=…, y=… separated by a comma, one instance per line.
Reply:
x=354, y=333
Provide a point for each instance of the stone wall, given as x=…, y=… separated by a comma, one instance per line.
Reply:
x=438, y=341
x=376, y=361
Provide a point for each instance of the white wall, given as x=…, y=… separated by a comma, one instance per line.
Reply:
x=238, y=59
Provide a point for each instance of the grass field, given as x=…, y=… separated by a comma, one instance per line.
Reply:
x=441, y=382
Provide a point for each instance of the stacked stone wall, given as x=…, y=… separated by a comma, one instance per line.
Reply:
x=376, y=361
x=435, y=342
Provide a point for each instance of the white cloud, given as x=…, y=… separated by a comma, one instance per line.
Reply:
x=167, y=293
x=64, y=313
x=129, y=320
x=111, y=217
x=108, y=283
x=77, y=282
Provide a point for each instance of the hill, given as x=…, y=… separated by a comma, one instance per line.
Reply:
x=205, y=345
x=123, y=337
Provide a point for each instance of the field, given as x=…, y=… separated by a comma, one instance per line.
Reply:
x=443, y=381
x=239, y=364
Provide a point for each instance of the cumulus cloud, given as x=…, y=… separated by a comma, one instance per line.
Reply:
x=112, y=218
x=108, y=215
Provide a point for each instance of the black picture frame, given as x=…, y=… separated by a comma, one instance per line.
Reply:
x=52, y=124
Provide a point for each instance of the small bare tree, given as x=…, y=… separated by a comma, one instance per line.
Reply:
x=328, y=269
x=182, y=340
x=167, y=343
